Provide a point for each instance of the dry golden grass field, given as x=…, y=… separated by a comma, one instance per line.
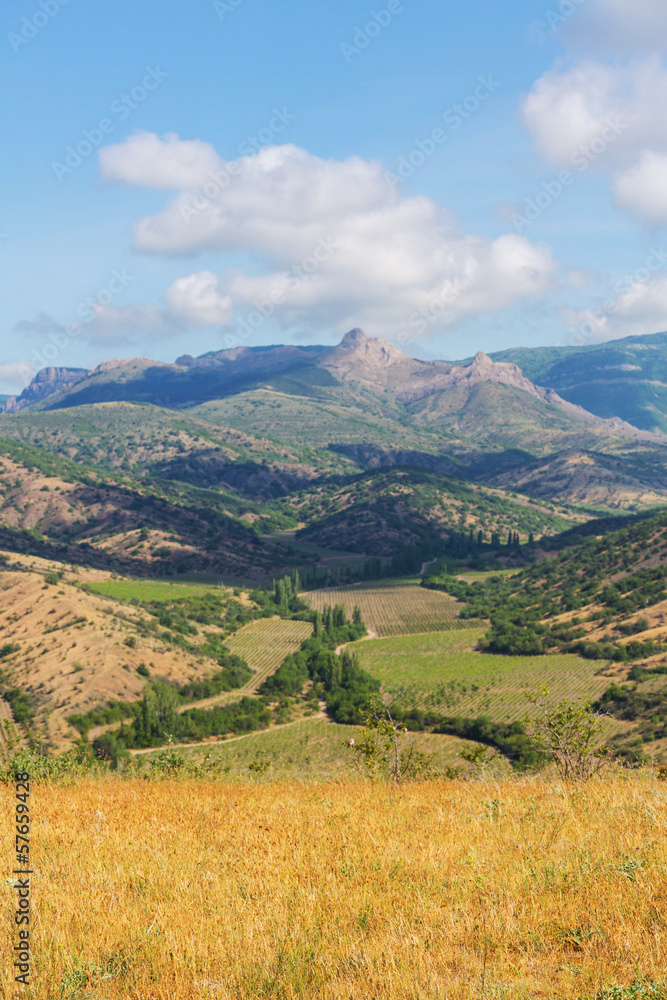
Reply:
x=352, y=891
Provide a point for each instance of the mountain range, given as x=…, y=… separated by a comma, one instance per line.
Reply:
x=367, y=371
x=625, y=378
x=204, y=464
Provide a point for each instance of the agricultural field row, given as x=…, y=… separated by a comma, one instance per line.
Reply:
x=394, y=607
x=265, y=643
x=152, y=590
x=443, y=672
x=310, y=750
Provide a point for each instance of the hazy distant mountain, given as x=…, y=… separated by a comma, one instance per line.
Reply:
x=360, y=370
x=360, y=405
x=624, y=378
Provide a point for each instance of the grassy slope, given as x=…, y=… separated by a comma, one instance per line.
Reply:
x=96, y=517
x=368, y=513
x=310, y=750
x=625, y=378
x=346, y=891
x=443, y=672
x=299, y=421
x=75, y=650
x=136, y=437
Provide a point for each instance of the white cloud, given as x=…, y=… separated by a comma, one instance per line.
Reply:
x=638, y=309
x=608, y=118
x=621, y=26
x=642, y=189
x=199, y=300
x=145, y=159
x=568, y=109
x=335, y=243
x=15, y=375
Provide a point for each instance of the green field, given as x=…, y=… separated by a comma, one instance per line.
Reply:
x=441, y=671
x=309, y=750
x=395, y=607
x=265, y=643
x=151, y=590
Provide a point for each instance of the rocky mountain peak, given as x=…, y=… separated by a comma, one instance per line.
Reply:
x=482, y=361
x=46, y=382
x=356, y=349
x=354, y=339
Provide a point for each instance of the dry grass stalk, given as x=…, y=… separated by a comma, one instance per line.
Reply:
x=184, y=890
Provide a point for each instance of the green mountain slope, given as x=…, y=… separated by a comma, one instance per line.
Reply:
x=625, y=378
x=378, y=513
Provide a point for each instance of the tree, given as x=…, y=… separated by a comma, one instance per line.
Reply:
x=570, y=734
x=379, y=752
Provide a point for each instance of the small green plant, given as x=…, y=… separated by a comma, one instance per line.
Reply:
x=641, y=989
x=482, y=759
x=168, y=763
x=570, y=734
x=259, y=766
x=380, y=751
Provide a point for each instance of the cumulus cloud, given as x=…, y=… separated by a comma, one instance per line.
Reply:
x=147, y=160
x=627, y=26
x=199, y=300
x=638, y=309
x=642, y=189
x=15, y=375
x=335, y=243
x=568, y=109
x=573, y=111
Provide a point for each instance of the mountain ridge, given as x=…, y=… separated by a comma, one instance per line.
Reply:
x=376, y=366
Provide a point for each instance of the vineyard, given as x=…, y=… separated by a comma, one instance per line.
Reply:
x=152, y=590
x=312, y=749
x=265, y=643
x=442, y=672
x=395, y=607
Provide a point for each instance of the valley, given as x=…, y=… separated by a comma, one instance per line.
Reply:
x=206, y=545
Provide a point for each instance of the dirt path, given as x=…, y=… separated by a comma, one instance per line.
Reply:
x=232, y=739
x=426, y=565
x=370, y=634
x=250, y=687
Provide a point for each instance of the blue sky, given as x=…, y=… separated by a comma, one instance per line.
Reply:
x=368, y=199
